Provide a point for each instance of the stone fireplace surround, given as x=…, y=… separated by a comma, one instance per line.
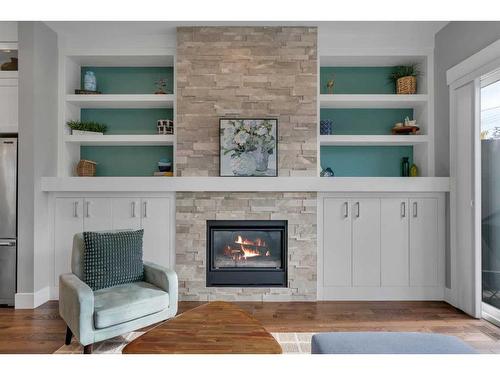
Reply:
x=246, y=72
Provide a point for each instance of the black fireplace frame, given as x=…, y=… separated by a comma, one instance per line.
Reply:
x=254, y=277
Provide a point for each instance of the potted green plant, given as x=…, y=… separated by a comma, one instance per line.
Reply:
x=405, y=78
x=86, y=127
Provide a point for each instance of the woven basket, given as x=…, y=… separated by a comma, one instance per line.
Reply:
x=406, y=85
x=86, y=168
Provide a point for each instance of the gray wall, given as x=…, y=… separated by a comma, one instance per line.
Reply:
x=38, y=57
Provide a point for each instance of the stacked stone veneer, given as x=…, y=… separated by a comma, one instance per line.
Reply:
x=246, y=72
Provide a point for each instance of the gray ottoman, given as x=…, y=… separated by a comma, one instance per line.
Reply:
x=387, y=343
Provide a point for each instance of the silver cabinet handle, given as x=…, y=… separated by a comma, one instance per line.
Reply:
x=415, y=209
x=403, y=209
x=346, y=209
x=146, y=209
x=7, y=243
x=87, y=209
x=75, y=209
x=133, y=209
x=357, y=209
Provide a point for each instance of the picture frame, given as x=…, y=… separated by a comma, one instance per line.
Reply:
x=248, y=147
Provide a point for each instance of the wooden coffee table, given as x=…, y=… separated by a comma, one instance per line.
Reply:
x=213, y=328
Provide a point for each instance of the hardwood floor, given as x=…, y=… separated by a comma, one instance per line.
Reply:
x=42, y=330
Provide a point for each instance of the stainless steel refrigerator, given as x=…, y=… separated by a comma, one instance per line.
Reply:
x=8, y=219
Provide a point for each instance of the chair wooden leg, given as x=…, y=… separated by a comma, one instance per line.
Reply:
x=87, y=349
x=69, y=335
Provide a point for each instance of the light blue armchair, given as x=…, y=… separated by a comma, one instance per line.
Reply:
x=93, y=316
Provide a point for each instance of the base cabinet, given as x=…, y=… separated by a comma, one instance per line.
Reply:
x=424, y=242
x=77, y=214
x=381, y=247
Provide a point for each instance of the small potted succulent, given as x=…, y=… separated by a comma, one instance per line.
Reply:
x=405, y=78
x=86, y=127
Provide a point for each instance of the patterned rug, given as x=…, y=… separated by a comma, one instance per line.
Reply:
x=291, y=343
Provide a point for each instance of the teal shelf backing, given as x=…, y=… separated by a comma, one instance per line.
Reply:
x=365, y=161
x=357, y=80
x=128, y=121
x=130, y=80
x=357, y=121
x=126, y=161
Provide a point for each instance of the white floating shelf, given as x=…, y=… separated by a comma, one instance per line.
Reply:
x=252, y=184
x=121, y=101
x=121, y=140
x=9, y=74
x=376, y=140
x=372, y=101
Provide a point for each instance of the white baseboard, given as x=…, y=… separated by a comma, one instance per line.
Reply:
x=382, y=294
x=32, y=300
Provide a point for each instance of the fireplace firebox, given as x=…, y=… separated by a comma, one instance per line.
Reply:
x=247, y=253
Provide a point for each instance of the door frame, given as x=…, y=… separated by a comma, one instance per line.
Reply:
x=463, y=259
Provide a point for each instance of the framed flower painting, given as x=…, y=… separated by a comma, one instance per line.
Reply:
x=248, y=147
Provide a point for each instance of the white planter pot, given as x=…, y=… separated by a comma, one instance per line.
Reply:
x=84, y=132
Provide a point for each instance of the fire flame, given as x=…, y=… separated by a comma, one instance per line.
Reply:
x=246, y=249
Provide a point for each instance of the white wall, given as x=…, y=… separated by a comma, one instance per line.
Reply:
x=37, y=156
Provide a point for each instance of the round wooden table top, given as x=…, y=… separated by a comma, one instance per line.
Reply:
x=213, y=328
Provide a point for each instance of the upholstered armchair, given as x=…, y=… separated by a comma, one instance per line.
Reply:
x=92, y=316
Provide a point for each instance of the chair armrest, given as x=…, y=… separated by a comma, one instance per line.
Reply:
x=76, y=307
x=164, y=279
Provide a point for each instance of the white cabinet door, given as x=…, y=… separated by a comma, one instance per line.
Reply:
x=424, y=242
x=157, y=222
x=394, y=242
x=97, y=214
x=68, y=221
x=337, y=257
x=366, y=242
x=8, y=105
x=126, y=213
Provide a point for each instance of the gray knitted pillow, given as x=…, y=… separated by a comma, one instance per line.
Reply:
x=112, y=258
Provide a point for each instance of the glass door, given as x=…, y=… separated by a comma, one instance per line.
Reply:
x=490, y=195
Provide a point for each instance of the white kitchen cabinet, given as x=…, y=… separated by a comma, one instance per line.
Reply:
x=97, y=214
x=394, y=235
x=68, y=221
x=337, y=242
x=366, y=242
x=126, y=213
x=424, y=242
x=8, y=104
x=156, y=222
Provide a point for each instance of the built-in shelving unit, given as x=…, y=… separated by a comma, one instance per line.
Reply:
x=372, y=101
x=121, y=140
x=364, y=107
x=121, y=101
x=252, y=184
x=127, y=103
x=380, y=140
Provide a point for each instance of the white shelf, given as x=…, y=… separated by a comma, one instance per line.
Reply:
x=378, y=140
x=372, y=101
x=121, y=140
x=121, y=101
x=252, y=184
x=9, y=74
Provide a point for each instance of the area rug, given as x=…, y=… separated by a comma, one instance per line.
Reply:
x=291, y=343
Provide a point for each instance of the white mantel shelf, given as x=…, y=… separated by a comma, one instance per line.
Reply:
x=241, y=184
